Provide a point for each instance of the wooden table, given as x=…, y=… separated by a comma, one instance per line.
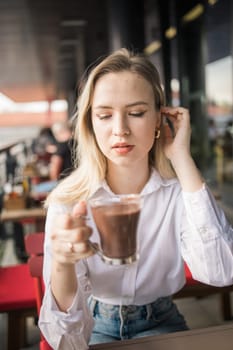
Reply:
x=212, y=338
x=36, y=214
x=20, y=214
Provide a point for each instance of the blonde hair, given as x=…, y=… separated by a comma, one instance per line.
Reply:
x=91, y=164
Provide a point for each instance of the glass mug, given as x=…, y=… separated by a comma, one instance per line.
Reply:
x=116, y=219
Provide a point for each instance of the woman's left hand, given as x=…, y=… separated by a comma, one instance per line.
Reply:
x=177, y=143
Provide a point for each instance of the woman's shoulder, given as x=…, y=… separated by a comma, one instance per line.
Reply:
x=161, y=181
x=66, y=192
x=157, y=183
x=56, y=207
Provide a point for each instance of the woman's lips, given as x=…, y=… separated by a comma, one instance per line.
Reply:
x=122, y=148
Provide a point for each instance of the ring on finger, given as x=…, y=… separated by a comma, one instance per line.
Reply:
x=70, y=247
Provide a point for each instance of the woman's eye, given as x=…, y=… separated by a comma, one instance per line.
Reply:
x=137, y=114
x=103, y=116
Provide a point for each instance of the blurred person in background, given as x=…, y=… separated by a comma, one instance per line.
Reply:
x=228, y=140
x=212, y=133
x=213, y=139
x=61, y=159
x=44, y=145
x=2, y=229
x=11, y=166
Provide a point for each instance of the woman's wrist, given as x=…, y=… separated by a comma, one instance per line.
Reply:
x=64, y=284
x=58, y=266
x=187, y=173
x=180, y=158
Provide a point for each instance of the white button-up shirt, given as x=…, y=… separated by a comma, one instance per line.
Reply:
x=174, y=227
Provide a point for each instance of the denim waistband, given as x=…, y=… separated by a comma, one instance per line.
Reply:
x=129, y=311
x=115, y=322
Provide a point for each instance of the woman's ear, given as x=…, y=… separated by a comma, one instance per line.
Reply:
x=158, y=120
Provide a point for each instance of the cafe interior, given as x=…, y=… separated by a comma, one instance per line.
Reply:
x=46, y=47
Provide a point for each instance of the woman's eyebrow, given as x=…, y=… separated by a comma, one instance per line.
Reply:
x=101, y=107
x=137, y=103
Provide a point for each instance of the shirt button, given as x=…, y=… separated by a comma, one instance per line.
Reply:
x=203, y=230
x=87, y=288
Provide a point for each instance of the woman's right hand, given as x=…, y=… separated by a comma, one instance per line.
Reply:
x=70, y=236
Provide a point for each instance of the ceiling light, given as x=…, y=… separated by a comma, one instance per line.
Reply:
x=152, y=47
x=194, y=13
x=5, y=100
x=212, y=2
x=171, y=32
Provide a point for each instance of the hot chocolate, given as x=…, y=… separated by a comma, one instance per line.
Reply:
x=117, y=227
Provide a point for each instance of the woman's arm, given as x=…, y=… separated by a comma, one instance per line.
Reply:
x=207, y=239
x=207, y=236
x=55, y=166
x=70, y=243
x=177, y=148
x=64, y=307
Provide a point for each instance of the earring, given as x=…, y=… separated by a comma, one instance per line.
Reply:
x=157, y=134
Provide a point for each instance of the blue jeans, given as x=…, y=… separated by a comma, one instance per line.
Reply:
x=118, y=322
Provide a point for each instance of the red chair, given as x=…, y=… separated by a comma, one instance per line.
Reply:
x=17, y=299
x=34, y=246
x=195, y=288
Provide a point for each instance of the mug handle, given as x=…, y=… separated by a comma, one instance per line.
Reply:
x=95, y=247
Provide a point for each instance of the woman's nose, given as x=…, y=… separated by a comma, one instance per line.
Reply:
x=120, y=127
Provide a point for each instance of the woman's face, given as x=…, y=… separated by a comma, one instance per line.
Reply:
x=124, y=117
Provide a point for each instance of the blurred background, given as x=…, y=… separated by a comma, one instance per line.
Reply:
x=46, y=46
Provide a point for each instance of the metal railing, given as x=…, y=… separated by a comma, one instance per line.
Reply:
x=13, y=157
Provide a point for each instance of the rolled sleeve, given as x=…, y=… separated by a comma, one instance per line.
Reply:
x=203, y=214
x=73, y=327
x=207, y=239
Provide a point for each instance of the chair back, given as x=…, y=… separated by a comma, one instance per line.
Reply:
x=34, y=245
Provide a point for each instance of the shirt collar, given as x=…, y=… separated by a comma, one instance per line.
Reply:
x=153, y=184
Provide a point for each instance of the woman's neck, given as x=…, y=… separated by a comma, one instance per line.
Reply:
x=124, y=180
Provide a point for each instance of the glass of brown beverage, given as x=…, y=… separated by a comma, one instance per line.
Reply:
x=116, y=219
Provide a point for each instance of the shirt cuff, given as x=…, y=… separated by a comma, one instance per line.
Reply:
x=75, y=316
x=203, y=214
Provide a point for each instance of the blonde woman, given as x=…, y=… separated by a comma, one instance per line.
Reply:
x=124, y=145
